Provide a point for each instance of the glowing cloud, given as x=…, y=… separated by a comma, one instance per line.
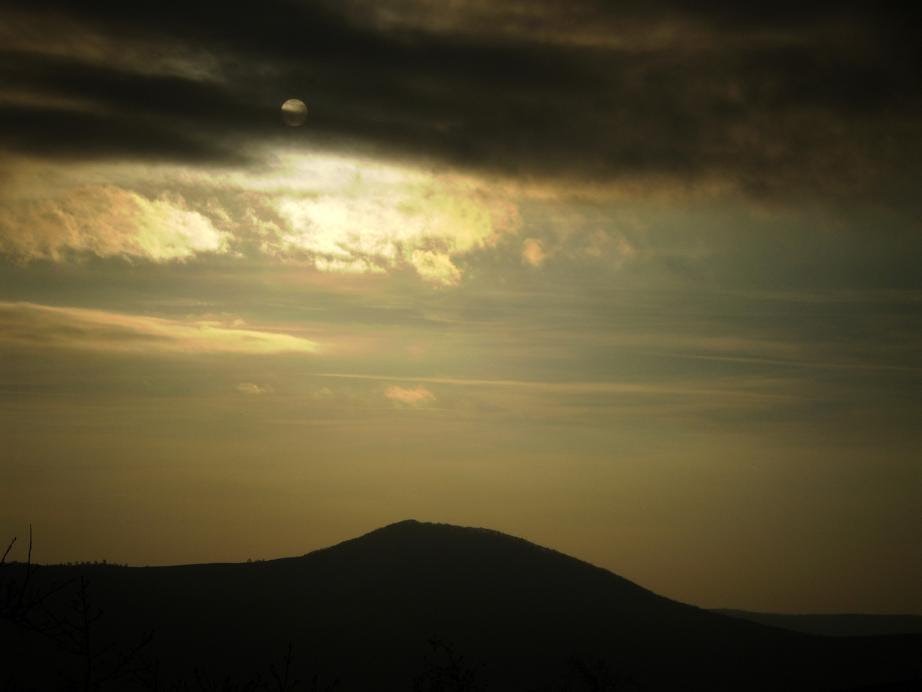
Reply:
x=30, y=325
x=414, y=396
x=106, y=221
x=340, y=214
x=533, y=252
x=352, y=215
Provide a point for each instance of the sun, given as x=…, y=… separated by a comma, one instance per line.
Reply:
x=294, y=112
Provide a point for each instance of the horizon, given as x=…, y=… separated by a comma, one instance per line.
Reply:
x=420, y=522
x=635, y=283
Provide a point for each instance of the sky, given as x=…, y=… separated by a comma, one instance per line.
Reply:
x=635, y=281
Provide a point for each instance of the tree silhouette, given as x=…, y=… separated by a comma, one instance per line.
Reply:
x=446, y=671
x=596, y=675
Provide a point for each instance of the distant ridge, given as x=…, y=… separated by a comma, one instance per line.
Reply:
x=834, y=624
x=523, y=615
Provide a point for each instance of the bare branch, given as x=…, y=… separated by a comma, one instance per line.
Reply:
x=7, y=551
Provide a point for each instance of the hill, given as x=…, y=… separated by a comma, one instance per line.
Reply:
x=524, y=617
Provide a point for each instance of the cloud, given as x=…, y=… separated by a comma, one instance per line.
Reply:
x=106, y=221
x=342, y=214
x=533, y=252
x=435, y=266
x=67, y=38
x=253, y=389
x=740, y=390
x=787, y=100
x=410, y=396
x=362, y=215
x=322, y=393
x=112, y=112
x=27, y=325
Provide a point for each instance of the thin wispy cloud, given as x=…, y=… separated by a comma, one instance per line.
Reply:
x=253, y=389
x=740, y=389
x=42, y=326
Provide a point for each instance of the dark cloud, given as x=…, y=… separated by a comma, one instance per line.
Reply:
x=121, y=113
x=779, y=99
x=77, y=135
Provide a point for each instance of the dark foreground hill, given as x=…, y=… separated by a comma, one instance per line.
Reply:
x=523, y=617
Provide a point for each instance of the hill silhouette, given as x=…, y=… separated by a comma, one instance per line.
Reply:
x=524, y=617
